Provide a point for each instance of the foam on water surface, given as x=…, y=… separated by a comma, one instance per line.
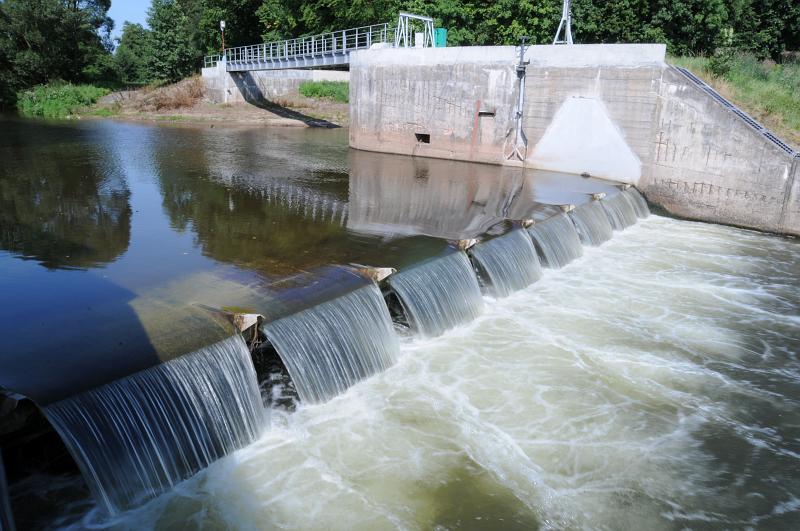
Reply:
x=637, y=389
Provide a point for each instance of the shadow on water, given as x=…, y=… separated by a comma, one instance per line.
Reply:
x=248, y=87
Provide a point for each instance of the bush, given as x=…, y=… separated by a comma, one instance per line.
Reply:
x=335, y=90
x=57, y=100
x=722, y=61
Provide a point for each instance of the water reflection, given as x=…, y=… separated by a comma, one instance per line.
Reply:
x=136, y=229
x=61, y=208
x=398, y=195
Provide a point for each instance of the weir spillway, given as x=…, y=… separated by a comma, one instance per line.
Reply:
x=140, y=435
x=207, y=307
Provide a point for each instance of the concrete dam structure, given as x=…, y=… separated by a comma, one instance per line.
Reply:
x=612, y=111
x=180, y=301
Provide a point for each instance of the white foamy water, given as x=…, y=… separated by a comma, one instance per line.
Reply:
x=651, y=384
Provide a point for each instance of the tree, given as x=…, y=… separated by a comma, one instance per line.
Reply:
x=131, y=54
x=43, y=40
x=172, y=55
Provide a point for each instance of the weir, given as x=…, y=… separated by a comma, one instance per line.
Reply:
x=138, y=436
x=438, y=294
x=620, y=211
x=591, y=223
x=556, y=240
x=136, y=432
x=639, y=203
x=507, y=263
x=331, y=346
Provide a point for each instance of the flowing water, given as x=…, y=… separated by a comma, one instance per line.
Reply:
x=653, y=384
x=620, y=210
x=140, y=435
x=639, y=203
x=557, y=241
x=439, y=294
x=332, y=346
x=507, y=263
x=592, y=223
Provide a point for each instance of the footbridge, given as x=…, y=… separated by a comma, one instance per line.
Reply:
x=327, y=49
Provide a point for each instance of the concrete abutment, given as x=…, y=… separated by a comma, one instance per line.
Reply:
x=614, y=111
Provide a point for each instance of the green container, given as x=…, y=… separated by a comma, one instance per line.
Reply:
x=440, y=37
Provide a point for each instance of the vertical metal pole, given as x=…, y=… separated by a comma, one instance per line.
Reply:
x=565, y=24
x=520, y=147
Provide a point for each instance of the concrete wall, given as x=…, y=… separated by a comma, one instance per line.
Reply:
x=458, y=96
x=239, y=87
x=708, y=164
x=613, y=111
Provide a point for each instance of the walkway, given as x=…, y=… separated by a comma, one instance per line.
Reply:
x=327, y=49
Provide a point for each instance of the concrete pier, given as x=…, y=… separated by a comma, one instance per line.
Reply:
x=260, y=85
x=613, y=111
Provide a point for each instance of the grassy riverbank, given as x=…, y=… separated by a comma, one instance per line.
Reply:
x=58, y=100
x=186, y=102
x=768, y=91
x=333, y=90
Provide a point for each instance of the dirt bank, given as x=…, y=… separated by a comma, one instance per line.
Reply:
x=185, y=101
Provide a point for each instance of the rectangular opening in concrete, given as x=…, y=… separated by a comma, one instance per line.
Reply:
x=486, y=113
x=423, y=138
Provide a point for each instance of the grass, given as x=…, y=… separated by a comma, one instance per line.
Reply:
x=768, y=91
x=58, y=100
x=333, y=90
x=102, y=112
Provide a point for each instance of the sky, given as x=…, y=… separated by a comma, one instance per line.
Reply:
x=130, y=10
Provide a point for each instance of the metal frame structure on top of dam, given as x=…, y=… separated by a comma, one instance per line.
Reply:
x=326, y=49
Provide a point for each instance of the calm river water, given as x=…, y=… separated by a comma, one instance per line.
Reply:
x=653, y=383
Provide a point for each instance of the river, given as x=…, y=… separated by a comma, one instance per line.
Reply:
x=652, y=383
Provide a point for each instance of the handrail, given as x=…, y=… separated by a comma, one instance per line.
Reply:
x=738, y=112
x=336, y=42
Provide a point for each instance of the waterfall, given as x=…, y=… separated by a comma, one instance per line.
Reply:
x=592, y=223
x=638, y=202
x=331, y=346
x=438, y=294
x=138, y=436
x=620, y=211
x=507, y=263
x=557, y=241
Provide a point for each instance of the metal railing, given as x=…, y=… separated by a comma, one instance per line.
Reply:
x=337, y=42
x=211, y=60
x=738, y=112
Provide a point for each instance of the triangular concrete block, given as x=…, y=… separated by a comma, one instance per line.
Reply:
x=583, y=139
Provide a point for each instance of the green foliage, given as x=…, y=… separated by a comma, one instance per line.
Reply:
x=58, y=100
x=131, y=54
x=172, y=55
x=722, y=61
x=334, y=90
x=44, y=40
x=765, y=89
